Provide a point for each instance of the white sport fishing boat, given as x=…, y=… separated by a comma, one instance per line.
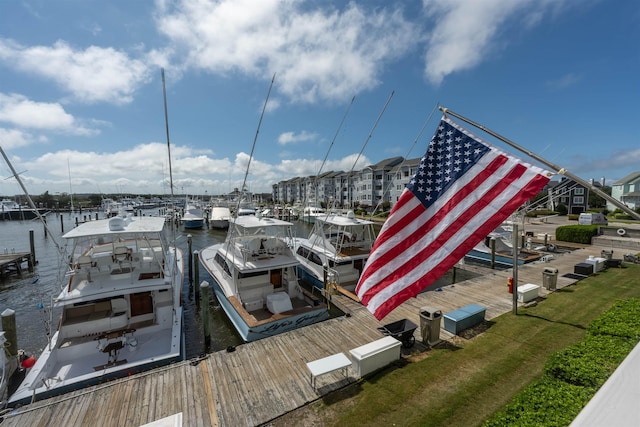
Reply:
x=255, y=280
x=336, y=250
x=220, y=214
x=120, y=308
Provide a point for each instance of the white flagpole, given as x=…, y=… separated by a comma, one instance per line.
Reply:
x=561, y=171
x=514, y=287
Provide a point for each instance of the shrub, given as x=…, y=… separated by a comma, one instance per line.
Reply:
x=621, y=320
x=547, y=402
x=540, y=212
x=562, y=209
x=590, y=362
x=572, y=376
x=622, y=216
x=576, y=233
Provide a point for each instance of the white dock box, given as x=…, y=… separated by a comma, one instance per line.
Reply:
x=375, y=355
x=528, y=292
x=597, y=262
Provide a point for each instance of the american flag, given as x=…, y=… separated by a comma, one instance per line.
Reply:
x=463, y=189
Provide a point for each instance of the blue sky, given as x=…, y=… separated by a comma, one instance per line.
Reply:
x=81, y=105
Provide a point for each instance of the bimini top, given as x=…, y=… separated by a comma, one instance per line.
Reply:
x=118, y=225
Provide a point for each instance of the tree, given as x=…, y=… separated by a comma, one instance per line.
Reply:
x=562, y=209
x=595, y=201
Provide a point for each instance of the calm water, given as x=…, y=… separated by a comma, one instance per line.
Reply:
x=30, y=296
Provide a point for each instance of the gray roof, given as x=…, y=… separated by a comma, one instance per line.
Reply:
x=628, y=179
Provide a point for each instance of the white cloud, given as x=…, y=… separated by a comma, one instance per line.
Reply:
x=292, y=137
x=94, y=74
x=316, y=54
x=466, y=32
x=19, y=111
x=14, y=138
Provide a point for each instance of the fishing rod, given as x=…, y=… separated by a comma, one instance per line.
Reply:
x=375, y=124
x=344, y=117
x=558, y=169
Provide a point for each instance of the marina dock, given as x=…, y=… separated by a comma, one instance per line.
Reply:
x=262, y=380
x=13, y=264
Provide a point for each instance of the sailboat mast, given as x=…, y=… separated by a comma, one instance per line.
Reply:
x=561, y=171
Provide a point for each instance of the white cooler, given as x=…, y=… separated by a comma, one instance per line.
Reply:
x=279, y=302
x=597, y=262
x=528, y=292
x=375, y=355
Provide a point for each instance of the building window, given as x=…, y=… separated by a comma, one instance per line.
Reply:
x=578, y=191
x=578, y=200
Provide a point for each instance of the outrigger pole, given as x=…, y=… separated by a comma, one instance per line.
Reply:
x=253, y=146
x=29, y=199
x=558, y=169
x=166, y=126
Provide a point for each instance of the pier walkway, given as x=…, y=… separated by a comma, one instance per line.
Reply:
x=12, y=263
x=263, y=380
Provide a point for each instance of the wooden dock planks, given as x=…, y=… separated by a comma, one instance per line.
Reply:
x=262, y=380
x=13, y=264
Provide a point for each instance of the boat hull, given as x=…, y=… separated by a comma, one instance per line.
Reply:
x=219, y=223
x=309, y=277
x=20, y=215
x=193, y=223
x=505, y=260
x=254, y=333
x=486, y=257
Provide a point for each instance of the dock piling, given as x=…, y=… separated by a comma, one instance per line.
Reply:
x=190, y=261
x=10, y=331
x=32, y=248
x=196, y=271
x=204, y=287
x=493, y=252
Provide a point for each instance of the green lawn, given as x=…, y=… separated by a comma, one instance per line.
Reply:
x=464, y=384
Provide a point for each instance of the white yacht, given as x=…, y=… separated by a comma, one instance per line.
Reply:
x=337, y=249
x=120, y=308
x=255, y=280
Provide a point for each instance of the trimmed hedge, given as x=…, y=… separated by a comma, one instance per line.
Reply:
x=541, y=212
x=572, y=376
x=547, y=402
x=576, y=233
